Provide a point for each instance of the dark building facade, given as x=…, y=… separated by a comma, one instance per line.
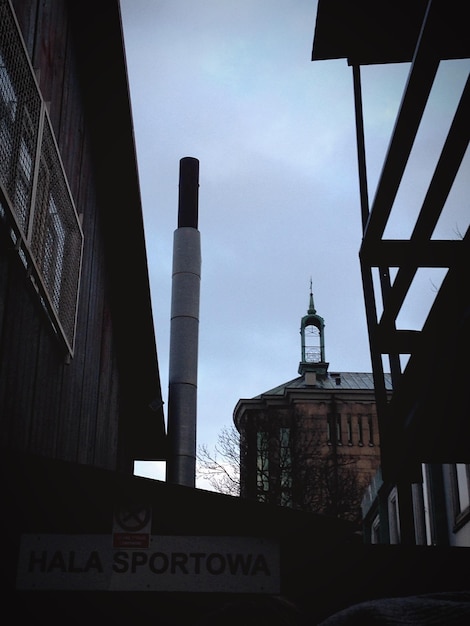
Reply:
x=79, y=377
x=313, y=442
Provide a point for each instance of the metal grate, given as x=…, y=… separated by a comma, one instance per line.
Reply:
x=33, y=183
x=20, y=113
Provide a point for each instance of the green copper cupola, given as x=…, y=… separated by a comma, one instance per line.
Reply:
x=312, y=333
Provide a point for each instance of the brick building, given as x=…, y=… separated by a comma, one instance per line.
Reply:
x=313, y=442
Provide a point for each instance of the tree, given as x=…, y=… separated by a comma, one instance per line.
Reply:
x=296, y=468
x=292, y=470
x=221, y=467
x=329, y=483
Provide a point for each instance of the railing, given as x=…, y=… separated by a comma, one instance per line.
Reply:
x=312, y=354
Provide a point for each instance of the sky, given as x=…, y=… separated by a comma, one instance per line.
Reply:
x=231, y=83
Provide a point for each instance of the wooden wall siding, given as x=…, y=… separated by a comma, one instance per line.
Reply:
x=51, y=51
x=70, y=425
x=92, y=341
x=20, y=344
x=61, y=410
x=26, y=14
x=70, y=129
x=106, y=437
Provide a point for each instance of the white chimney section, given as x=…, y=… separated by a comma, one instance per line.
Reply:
x=184, y=331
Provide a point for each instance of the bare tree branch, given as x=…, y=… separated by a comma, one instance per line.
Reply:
x=221, y=468
x=295, y=472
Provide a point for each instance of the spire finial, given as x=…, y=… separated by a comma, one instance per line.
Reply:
x=311, y=306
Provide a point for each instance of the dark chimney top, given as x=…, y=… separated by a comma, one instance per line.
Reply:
x=188, y=192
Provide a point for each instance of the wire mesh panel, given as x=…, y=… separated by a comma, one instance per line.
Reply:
x=47, y=233
x=55, y=237
x=20, y=110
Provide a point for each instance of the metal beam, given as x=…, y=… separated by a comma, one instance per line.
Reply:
x=404, y=253
x=420, y=81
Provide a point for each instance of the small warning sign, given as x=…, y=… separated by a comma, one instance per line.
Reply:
x=131, y=540
x=132, y=527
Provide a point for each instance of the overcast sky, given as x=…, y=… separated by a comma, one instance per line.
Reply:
x=231, y=83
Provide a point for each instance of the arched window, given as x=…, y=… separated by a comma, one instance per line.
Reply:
x=312, y=344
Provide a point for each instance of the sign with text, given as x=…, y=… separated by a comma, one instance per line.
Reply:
x=170, y=563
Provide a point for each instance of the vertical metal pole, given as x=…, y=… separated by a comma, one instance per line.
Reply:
x=361, y=150
x=367, y=278
x=366, y=271
x=384, y=272
x=37, y=165
x=184, y=331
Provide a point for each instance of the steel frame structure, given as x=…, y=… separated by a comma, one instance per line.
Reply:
x=426, y=419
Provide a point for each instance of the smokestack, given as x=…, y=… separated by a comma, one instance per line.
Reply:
x=184, y=331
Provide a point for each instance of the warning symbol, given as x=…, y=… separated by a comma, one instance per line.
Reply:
x=133, y=519
x=132, y=527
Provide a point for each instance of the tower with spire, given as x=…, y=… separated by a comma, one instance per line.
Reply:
x=312, y=333
x=321, y=420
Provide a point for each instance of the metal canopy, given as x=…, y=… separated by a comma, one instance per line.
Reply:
x=372, y=31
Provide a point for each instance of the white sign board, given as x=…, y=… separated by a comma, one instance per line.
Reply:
x=170, y=563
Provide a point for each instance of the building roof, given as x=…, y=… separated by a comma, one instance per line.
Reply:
x=362, y=381
x=360, y=385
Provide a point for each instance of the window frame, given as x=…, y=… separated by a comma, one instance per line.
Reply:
x=461, y=512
